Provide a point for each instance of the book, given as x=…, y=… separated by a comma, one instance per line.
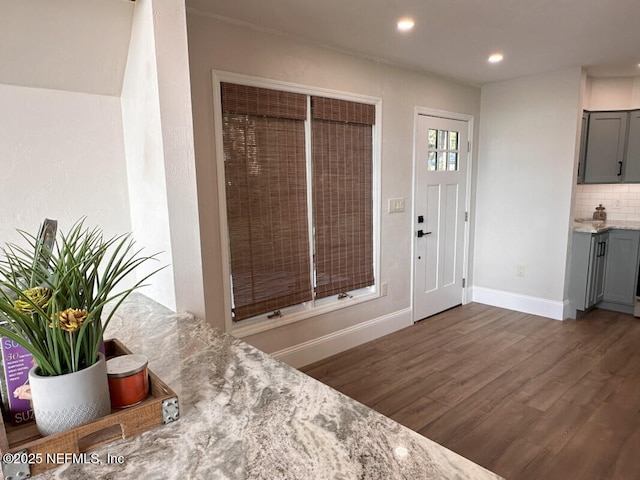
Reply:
x=16, y=362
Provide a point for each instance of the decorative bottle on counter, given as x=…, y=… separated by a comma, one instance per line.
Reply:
x=600, y=214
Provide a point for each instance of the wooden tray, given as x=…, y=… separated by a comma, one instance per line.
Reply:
x=38, y=454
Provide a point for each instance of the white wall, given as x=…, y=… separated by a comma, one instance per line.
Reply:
x=174, y=96
x=527, y=159
x=62, y=158
x=145, y=156
x=616, y=93
x=157, y=123
x=214, y=44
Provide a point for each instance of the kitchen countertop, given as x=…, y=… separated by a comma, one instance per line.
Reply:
x=598, y=227
x=245, y=415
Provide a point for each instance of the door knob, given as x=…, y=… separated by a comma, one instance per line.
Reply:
x=422, y=234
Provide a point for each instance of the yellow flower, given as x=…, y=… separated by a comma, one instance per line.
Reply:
x=71, y=320
x=38, y=295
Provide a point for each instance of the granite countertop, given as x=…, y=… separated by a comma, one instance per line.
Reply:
x=595, y=226
x=244, y=415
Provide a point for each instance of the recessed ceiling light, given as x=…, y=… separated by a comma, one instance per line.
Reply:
x=496, y=57
x=405, y=24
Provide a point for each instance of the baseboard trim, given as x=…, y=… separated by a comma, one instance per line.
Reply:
x=520, y=303
x=616, y=307
x=322, y=347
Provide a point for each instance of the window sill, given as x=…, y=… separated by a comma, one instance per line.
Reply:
x=299, y=313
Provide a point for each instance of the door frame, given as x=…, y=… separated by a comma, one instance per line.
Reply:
x=414, y=225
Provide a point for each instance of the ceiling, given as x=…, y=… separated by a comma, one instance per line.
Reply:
x=82, y=45
x=454, y=38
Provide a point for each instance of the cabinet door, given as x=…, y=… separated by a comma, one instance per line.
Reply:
x=632, y=158
x=583, y=146
x=598, y=267
x=606, y=142
x=588, y=262
x=622, y=267
x=579, y=272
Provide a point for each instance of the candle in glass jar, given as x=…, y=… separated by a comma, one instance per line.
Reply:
x=128, y=380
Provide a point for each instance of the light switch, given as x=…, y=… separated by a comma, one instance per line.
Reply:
x=396, y=205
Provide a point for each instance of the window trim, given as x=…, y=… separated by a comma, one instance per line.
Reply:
x=315, y=307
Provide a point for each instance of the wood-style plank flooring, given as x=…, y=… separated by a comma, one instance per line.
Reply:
x=524, y=396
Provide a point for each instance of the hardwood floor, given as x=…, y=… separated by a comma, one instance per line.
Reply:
x=524, y=396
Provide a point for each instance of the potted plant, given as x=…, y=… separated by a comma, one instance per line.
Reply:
x=52, y=300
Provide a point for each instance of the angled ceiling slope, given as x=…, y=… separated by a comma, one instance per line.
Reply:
x=74, y=45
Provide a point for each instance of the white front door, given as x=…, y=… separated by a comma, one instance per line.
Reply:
x=439, y=216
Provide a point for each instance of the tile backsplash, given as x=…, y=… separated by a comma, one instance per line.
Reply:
x=621, y=201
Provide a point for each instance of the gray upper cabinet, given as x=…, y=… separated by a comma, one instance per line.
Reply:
x=632, y=159
x=583, y=146
x=606, y=141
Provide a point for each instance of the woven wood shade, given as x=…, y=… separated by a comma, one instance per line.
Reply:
x=265, y=175
x=245, y=100
x=342, y=111
x=342, y=195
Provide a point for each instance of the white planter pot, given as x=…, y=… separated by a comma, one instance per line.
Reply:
x=66, y=401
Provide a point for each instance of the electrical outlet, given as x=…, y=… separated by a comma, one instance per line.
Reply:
x=520, y=270
x=395, y=205
x=383, y=289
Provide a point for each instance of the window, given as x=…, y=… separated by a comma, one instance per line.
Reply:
x=443, y=150
x=342, y=151
x=299, y=210
x=265, y=178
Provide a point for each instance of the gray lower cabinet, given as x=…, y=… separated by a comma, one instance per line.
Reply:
x=621, y=267
x=605, y=148
x=604, y=270
x=588, y=267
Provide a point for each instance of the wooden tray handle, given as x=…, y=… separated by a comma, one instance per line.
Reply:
x=97, y=434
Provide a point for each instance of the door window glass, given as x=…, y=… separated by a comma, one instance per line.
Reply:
x=443, y=152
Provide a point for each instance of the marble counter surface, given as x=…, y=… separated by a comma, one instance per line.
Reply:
x=598, y=226
x=245, y=415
